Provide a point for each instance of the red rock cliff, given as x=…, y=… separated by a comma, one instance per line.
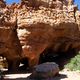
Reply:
x=49, y=24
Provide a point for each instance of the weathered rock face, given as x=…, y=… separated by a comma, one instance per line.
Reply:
x=46, y=25
x=46, y=28
x=10, y=47
x=70, y=2
x=2, y=4
x=78, y=18
x=44, y=3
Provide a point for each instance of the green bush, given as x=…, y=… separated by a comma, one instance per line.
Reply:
x=74, y=63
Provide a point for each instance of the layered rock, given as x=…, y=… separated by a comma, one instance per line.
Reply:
x=10, y=47
x=44, y=3
x=46, y=25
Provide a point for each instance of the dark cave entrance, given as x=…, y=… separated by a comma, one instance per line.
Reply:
x=61, y=58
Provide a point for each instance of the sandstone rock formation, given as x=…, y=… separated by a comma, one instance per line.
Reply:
x=49, y=25
x=52, y=28
x=10, y=47
x=2, y=4
x=77, y=14
x=44, y=3
x=70, y=2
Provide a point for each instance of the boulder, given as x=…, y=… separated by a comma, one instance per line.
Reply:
x=45, y=70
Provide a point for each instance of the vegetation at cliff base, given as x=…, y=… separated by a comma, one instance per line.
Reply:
x=74, y=63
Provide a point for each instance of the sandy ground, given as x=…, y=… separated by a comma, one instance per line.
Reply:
x=64, y=75
x=68, y=75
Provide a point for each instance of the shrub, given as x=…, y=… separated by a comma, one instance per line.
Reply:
x=74, y=63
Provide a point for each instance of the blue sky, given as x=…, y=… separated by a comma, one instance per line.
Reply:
x=78, y=3
x=11, y=1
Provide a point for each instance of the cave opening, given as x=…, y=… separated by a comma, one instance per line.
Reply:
x=61, y=58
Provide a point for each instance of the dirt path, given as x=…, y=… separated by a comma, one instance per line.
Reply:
x=68, y=75
x=64, y=75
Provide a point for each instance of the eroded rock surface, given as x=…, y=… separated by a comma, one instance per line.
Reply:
x=46, y=25
x=2, y=4
x=10, y=47
x=45, y=28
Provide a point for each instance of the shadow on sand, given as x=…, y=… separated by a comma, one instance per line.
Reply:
x=28, y=76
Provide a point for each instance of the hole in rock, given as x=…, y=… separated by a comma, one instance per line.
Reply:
x=61, y=58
